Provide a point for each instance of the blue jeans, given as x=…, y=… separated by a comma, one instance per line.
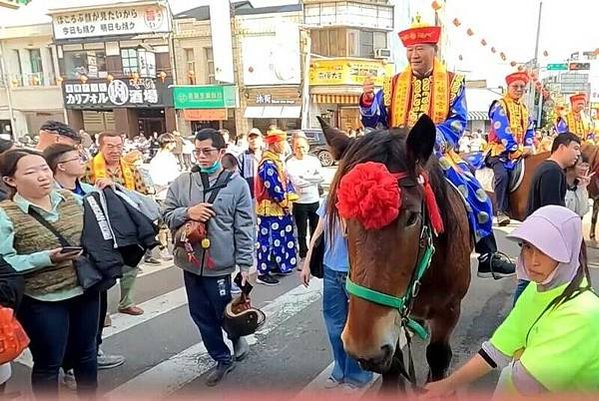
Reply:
x=208, y=297
x=53, y=327
x=520, y=289
x=335, y=309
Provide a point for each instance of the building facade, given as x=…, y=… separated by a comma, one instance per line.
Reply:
x=349, y=40
x=30, y=89
x=115, y=64
x=200, y=101
x=272, y=73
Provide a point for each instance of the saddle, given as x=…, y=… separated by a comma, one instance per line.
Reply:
x=486, y=177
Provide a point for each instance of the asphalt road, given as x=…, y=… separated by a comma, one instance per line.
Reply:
x=165, y=355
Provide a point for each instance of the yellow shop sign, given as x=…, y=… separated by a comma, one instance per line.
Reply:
x=348, y=71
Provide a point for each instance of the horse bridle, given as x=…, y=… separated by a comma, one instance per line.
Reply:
x=404, y=303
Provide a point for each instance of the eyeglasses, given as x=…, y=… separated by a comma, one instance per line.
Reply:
x=518, y=86
x=205, y=152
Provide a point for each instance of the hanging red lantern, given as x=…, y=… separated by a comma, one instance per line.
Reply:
x=546, y=53
x=513, y=63
x=483, y=42
x=520, y=68
x=162, y=76
x=503, y=56
x=460, y=57
x=83, y=78
x=470, y=32
x=109, y=77
x=436, y=5
x=493, y=50
x=456, y=22
x=59, y=80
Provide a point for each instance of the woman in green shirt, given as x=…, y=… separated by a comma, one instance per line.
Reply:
x=549, y=341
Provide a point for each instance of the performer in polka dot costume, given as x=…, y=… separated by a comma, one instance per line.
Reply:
x=277, y=245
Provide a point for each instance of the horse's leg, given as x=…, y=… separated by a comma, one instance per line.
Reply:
x=438, y=352
x=594, y=218
x=392, y=379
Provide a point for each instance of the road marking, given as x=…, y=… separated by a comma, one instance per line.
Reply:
x=147, y=269
x=317, y=385
x=184, y=367
x=120, y=322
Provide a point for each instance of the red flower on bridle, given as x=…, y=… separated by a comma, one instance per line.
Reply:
x=369, y=193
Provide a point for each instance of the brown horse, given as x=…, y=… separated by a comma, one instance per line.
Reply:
x=591, y=153
x=385, y=260
x=518, y=201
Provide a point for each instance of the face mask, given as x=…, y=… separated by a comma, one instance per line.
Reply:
x=212, y=169
x=550, y=277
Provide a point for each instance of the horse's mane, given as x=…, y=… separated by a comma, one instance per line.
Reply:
x=389, y=147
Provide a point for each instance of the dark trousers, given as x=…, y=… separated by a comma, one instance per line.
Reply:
x=304, y=214
x=102, y=316
x=486, y=245
x=502, y=182
x=54, y=326
x=208, y=298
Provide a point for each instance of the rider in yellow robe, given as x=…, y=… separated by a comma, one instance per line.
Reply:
x=426, y=87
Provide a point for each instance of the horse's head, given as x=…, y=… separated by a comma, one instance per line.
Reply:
x=380, y=193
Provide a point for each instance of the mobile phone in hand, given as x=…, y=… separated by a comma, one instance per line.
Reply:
x=247, y=288
x=71, y=249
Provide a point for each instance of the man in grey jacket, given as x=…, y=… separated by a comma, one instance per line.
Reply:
x=229, y=243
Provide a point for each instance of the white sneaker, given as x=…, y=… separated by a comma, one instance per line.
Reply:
x=68, y=380
x=165, y=254
x=331, y=383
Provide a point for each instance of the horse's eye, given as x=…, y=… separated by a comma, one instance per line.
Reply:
x=412, y=218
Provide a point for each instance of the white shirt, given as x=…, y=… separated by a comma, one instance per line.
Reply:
x=164, y=168
x=305, y=175
x=464, y=144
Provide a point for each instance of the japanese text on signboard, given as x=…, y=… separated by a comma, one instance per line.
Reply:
x=116, y=21
x=115, y=93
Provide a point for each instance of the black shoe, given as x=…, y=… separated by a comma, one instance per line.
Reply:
x=219, y=372
x=241, y=348
x=495, y=265
x=267, y=279
x=502, y=219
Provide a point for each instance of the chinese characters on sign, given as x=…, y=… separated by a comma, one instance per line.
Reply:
x=267, y=98
x=115, y=21
x=118, y=93
x=348, y=72
x=205, y=97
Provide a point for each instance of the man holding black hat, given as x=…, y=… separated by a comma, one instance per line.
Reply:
x=210, y=212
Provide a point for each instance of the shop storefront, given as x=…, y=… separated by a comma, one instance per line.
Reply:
x=115, y=66
x=134, y=106
x=205, y=106
x=280, y=106
x=336, y=86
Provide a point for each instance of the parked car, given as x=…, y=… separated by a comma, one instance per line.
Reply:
x=318, y=145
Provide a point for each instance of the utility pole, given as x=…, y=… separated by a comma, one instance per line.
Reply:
x=537, y=67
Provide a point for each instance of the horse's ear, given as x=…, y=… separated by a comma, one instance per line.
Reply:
x=421, y=139
x=337, y=140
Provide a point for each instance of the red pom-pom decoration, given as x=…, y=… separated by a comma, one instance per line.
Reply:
x=370, y=194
